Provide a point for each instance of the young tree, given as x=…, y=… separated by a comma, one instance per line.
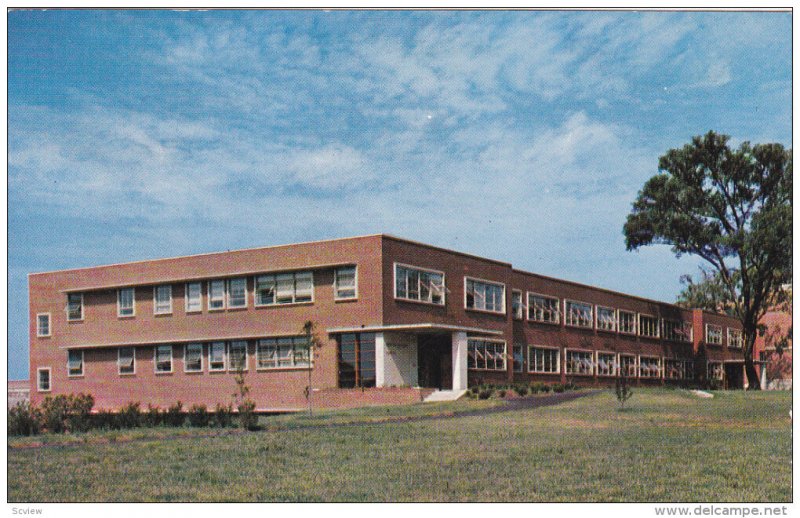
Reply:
x=314, y=343
x=731, y=207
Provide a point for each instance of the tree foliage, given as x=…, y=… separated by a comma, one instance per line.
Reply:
x=706, y=292
x=731, y=207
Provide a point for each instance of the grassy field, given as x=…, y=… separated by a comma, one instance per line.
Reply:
x=667, y=446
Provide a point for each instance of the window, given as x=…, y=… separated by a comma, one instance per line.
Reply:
x=163, y=299
x=485, y=296
x=648, y=326
x=543, y=360
x=519, y=358
x=627, y=322
x=735, y=338
x=580, y=363
x=75, y=363
x=606, y=319
x=284, y=288
x=649, y=367
x=126, y=360
x=486, y=354
x=75, y=306
x=713, y=334
x=43, y=379
x=193, y=358
x=287, y=352
x=126, y=303
x=577, y=314
x=43, y=324
x=606, y=364
x=627, y=366
x=356, y=358
x=163, y=358
x=543, y=309
x=216, y=356
x=516, y=305
x=344, y=283
x=412, y=283
x=194, y=297
x=677, y=331
x=237, y=293
x=216, y=295
x=715, y=371
x=678, y=369
x=237, y=356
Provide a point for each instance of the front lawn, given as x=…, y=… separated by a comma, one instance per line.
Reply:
x=667, y=446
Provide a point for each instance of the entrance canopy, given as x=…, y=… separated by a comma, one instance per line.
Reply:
x=427, y=327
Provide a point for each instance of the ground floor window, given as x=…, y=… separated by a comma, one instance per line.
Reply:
x=75, y=363
x=715, y=371
x=606, y=364
x=43, y=379
x=216, y=356
x=627, y=365
x=356, y=357
x=543, y=360
x=237, y=356
x=649, y=367
x=486, y=354
x=580, y=363
x=126, y=363
x=193, y=358
x=678, y=369
x=519, y=358
x=163, y=358
x=286, y=352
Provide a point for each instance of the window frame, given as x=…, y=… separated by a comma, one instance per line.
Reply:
x=171, y=359
x=229, y=354
x=579, y=351
x=186, y=297
x=485, y=341
x=740, y=341
x=211, y=367
x=615, y=371
x=336, y=287
x=489, y=283
x=532, y=364
x=156, y=289
x=82, y=372
x=49, y=372
x=186, y=354
x=273, y=342
x=223, y=296
x=579, y=326
x=674, y=335
x=615, y=323
x=49, y=325
x=721, y=370
x=228, y=283
x=656, y=322
x=133, y=362
x=275, y=276
x=721, y=337
x=519, y=312
x=133, y=303
x=660, y=366
x=557, y=309
x=635, y=357
x=635, y=320
x=682, y=370
x=521, y=348
x=430, y=292
x=69, y=318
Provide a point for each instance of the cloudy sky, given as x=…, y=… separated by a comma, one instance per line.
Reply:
x=520, y=136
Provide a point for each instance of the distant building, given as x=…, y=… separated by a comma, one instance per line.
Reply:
x=398, y=320
x=18, y=391
x=776, y=371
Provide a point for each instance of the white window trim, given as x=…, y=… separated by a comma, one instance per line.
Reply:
x=708, y=369
x=119, y=371
x=119, y=307
x=185, y=351
x=678, y=324
x=83, y=364
x=575, y=350
x=228, y=293
x=83, y=309
x=429, y=270
x=635, y=363
x=355, y=283
x=635, y=322
x=49, y=325
x=522, y=305
x=224, y=295
x=224, y=356
x=730, y=341
x=276, y=367
x=492, y=340
x=591, y=317
x=522, y=360
x=558, y=359
x=681, y=361
x=550, y=297
x=294, y=294
x=229, y=363
x=597, y=364
x=186, y=298
x=660, y=366
x=485, y=281
x=155, y=300
x=171, y=360
x=721, y=335
x=49, y=379
x=639, y=326
x=597, y=309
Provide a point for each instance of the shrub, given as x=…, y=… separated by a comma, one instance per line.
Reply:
x=79, y=411
x=24, y=419
x=54, y=413
x=522, y=390
x=222, y=415
x=175, y=415
x=153, y=417
x=130, y=416
x=198, y=416
x=474, y=390
x=570, y=386
x=106, y=420
x=485, y=394
x=501, y=393
x=559, y=388
x=248, y=419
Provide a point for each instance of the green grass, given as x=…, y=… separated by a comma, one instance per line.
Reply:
x=667, y=446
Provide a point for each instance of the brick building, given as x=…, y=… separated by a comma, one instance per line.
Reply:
x=397, y=320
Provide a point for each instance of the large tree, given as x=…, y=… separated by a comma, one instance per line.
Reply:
x=731, y=207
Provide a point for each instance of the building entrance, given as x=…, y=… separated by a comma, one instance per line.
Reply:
x=435, y=360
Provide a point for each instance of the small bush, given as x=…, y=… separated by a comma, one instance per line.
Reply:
x=485, y=394
x=130, y=416
x=79, y=411
x=570, y=386
x=24, y=419
x=248, y=419
x=559, y=388
x=54, y=413
x=522, y=390
x=474, y=390
x=153, y=417
x=198, y=416
x=501, y=393
x=106, y=420
x=175, y=415
x=223, y=416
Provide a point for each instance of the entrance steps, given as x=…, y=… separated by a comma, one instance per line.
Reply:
x=444, y=395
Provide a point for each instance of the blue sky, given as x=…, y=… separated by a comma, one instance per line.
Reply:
x=520, y=136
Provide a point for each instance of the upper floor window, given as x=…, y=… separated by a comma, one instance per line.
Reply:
x=713, y=334
x=75, y=363
x=163, y=358
x=216, y=295
x=43, y=324
x=735, y=338
x=75, y=306
x=486, y=296
x=126, y=303
x=677, y=331
x=163, y=299
x=194, y=297
x=486, y=354
x=626, y=321
x=344, y=283
x=543, y=309
x=237, y=293
x=606, y=319
x=577, y=314
x=284, y=288
x=517, y=310
x=648, y=326
x=126, y=360
x=413, y=283
x=43, y=379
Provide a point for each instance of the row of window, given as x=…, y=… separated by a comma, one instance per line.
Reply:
x=714, y=336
